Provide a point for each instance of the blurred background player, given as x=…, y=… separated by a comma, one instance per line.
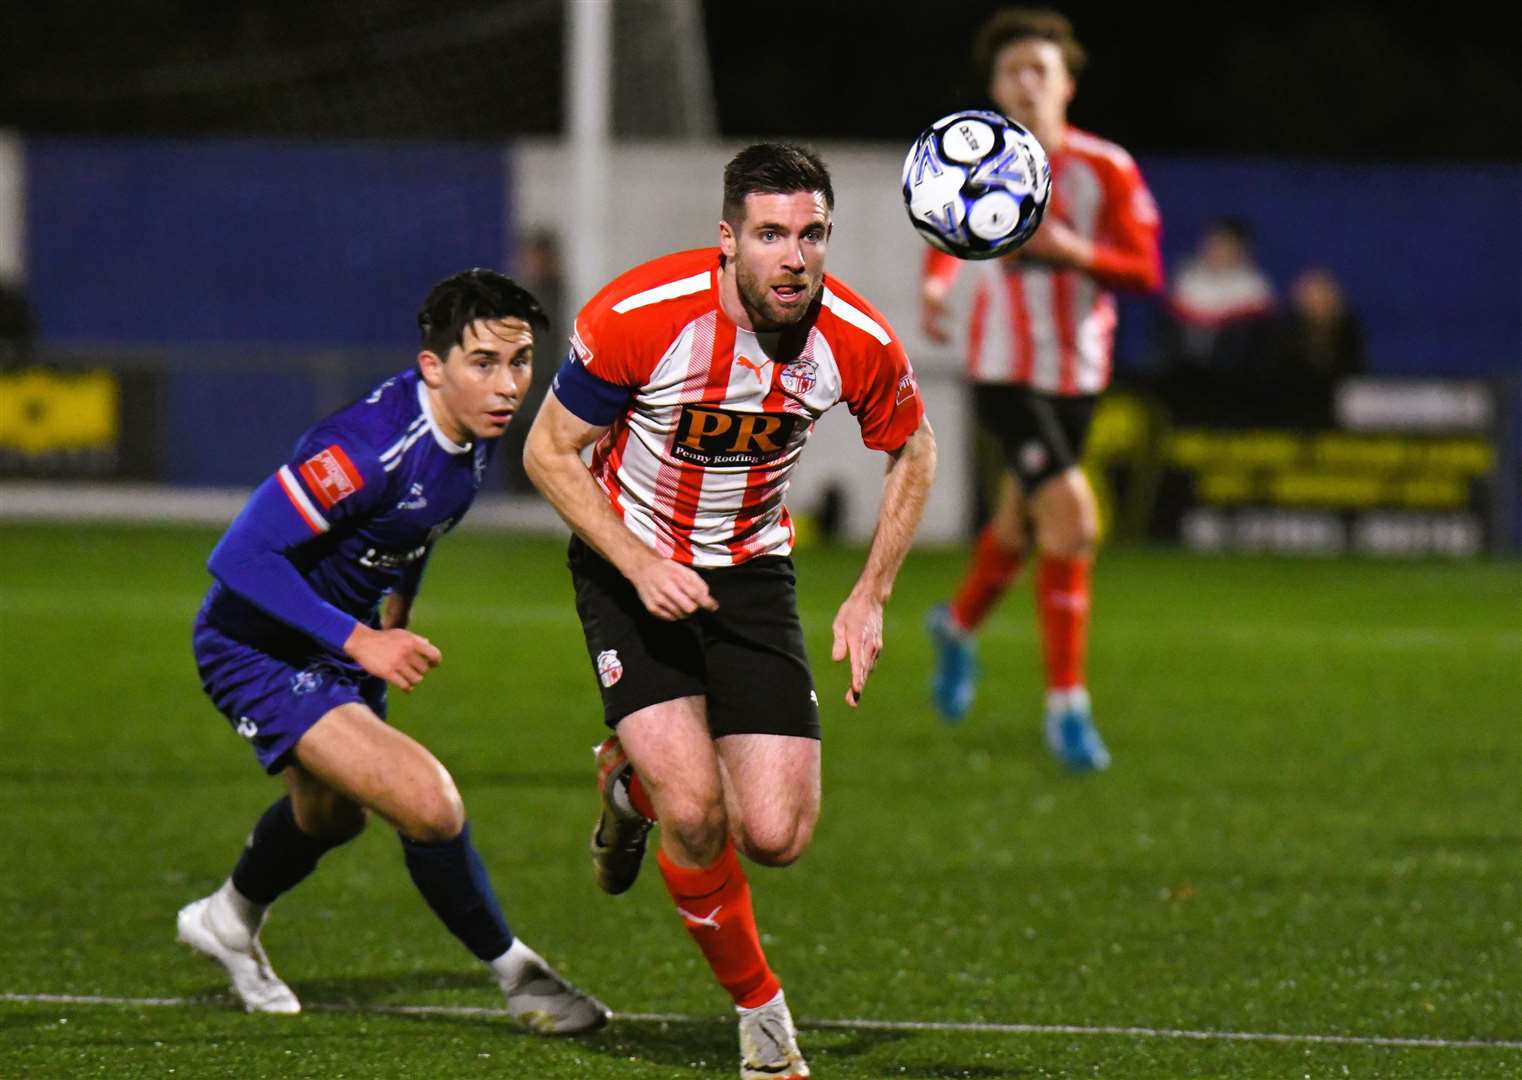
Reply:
x=1039, y=349
x=698, y=377
x=306, y=624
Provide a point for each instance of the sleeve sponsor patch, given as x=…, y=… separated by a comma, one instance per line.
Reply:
x=907, y=388
x=331, y=476
x=579, y=347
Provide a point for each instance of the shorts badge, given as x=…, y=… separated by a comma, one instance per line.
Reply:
x=609, y=667
x=304, y=682
x=1033, y=457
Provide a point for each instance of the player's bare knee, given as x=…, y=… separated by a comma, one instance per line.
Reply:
x=1009, y=534
x=1067, y=526
x=324, y=814
x=775, y=852
x=435, y=816
x=776, y=844
x=698, y=829
x=1070, y=540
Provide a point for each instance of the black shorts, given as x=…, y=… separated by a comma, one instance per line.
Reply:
x=1041, y=435
x=747, y=658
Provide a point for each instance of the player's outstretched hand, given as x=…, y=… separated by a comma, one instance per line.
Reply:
x=400, y=657
x=933, y=310
x=858, y=634
x=1057, y=244
x=670, y=590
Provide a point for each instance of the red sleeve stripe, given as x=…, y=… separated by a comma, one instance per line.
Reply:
x=299, y=500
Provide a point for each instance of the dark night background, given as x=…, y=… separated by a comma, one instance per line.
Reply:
x=1344, y=81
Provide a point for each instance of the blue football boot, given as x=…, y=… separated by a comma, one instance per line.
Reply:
x=955, y=682
x=1071, y=734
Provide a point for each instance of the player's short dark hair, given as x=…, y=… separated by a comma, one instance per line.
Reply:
x=1016, y=24
x=461, y=299
x=771, y=168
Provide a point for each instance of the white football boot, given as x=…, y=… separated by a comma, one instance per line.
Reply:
x=769, y=1043
x=213, y=927
x=540, y=1000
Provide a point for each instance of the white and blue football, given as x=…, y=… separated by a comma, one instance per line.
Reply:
x=976, y=184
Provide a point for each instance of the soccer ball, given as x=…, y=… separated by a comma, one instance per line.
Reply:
x=976, y=184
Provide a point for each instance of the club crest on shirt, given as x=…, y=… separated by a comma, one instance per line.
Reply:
x=799, y=377
x=609, y=667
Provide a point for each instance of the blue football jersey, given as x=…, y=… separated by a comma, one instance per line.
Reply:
x=350, y=517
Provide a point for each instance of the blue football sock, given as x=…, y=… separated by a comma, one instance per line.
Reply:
x=278, y=856
x=453, y=880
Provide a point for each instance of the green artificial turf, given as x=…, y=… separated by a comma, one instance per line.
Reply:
x=1313, y=826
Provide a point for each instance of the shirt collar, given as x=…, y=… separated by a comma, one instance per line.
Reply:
x=449, y=445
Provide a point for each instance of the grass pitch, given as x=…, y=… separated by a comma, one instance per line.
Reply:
x=1312, y=828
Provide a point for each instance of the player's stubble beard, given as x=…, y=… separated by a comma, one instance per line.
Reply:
x=765, y=313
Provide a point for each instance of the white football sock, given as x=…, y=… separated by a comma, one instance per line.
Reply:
x=1063, y=700
x=250, y=914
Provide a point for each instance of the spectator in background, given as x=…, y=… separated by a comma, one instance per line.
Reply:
x=1218, y=303
x=1313, y=345
x=539, y=268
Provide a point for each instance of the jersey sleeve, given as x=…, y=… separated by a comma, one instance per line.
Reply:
x=590, y=398
x=885, y=398
x=327, y=484
x=1126, y=254
x=607, y=363
x=611, y=346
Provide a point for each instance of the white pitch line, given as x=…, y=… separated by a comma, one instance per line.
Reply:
x=848, y=1025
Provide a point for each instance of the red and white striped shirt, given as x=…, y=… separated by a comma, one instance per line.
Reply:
x=699, y=462
x=1053, y=329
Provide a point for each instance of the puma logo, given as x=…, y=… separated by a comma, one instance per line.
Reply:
x=746, y=362
x=701, y=920
x=1071, y=601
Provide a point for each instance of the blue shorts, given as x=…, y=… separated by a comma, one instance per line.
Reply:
x=273, y=696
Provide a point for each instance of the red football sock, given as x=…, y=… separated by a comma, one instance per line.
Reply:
x=715, y=904
x=1062, y=603
x=992, y=570
x=639, y=798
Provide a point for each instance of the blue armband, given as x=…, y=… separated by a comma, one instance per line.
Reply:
x=594, y=400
